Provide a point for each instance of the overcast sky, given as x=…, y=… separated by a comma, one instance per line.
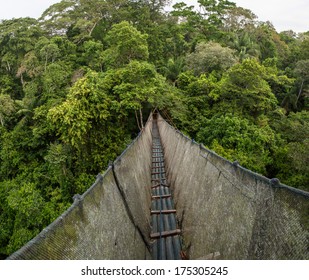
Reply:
x=284, y=14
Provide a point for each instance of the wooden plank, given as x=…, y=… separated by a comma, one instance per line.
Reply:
x=161, y=196
x=157, y=235
x=157, y=212
x=159, y=185
x=156, y=173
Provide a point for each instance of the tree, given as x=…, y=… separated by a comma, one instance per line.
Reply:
x=196, y=92
x=209, y=57
x=125, y=43
x=245, y=45
x=302, y=72
x=264, y=37
x=27, y=203
x=244, y=90
x=85, y=19
x=281, y=85
x=138, y=85
x=215, y=10
x=78, y=15
x=291, y=160
x=93, y=55
x=47, y=51
x=187, y=16
x=7, y=108
x=213, y=13
x=207, y=23
x=86, y=120
x=29, y=66
x=59, y=161
x=173, y=68
x=165, y=41
x=239, y=19
x=54, y=82
x=235, y=138
x=98, y=106
x=303, y=44
x=17, y=37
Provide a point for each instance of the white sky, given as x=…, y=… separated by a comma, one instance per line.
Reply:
x=284, y=14
x=24, y=8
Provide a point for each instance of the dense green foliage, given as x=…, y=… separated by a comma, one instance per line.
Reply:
x=77, y=84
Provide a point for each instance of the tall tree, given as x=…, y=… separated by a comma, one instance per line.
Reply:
x=209, y=57
x=125, y=43
x=244, y=90
x=302, y=72
x=245, y=45
x=213, y=12
x=236, y=138
x=239, y=19
x=17, y=37
x=7, y=108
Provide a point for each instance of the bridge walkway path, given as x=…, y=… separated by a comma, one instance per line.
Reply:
x=165, y=233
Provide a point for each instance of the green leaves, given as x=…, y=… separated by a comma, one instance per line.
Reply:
x=85, y=120
x=25, y=204
x=237, y=139
x=7, y=108
x=244, y=89
x=26, y=200
x=210, y=56
x=93, y=55
x=126, y=43
x=292, y=160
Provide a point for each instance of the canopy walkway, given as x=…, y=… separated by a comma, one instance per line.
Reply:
x=168, y=197
x=164, y=223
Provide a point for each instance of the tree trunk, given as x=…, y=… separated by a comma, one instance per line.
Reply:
x=141, y=117
x=299, y=93
x=139, y=127
x=46, y=60
x=1, y=120
x=8, y=68
x=93, y=27
x=22, y=79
